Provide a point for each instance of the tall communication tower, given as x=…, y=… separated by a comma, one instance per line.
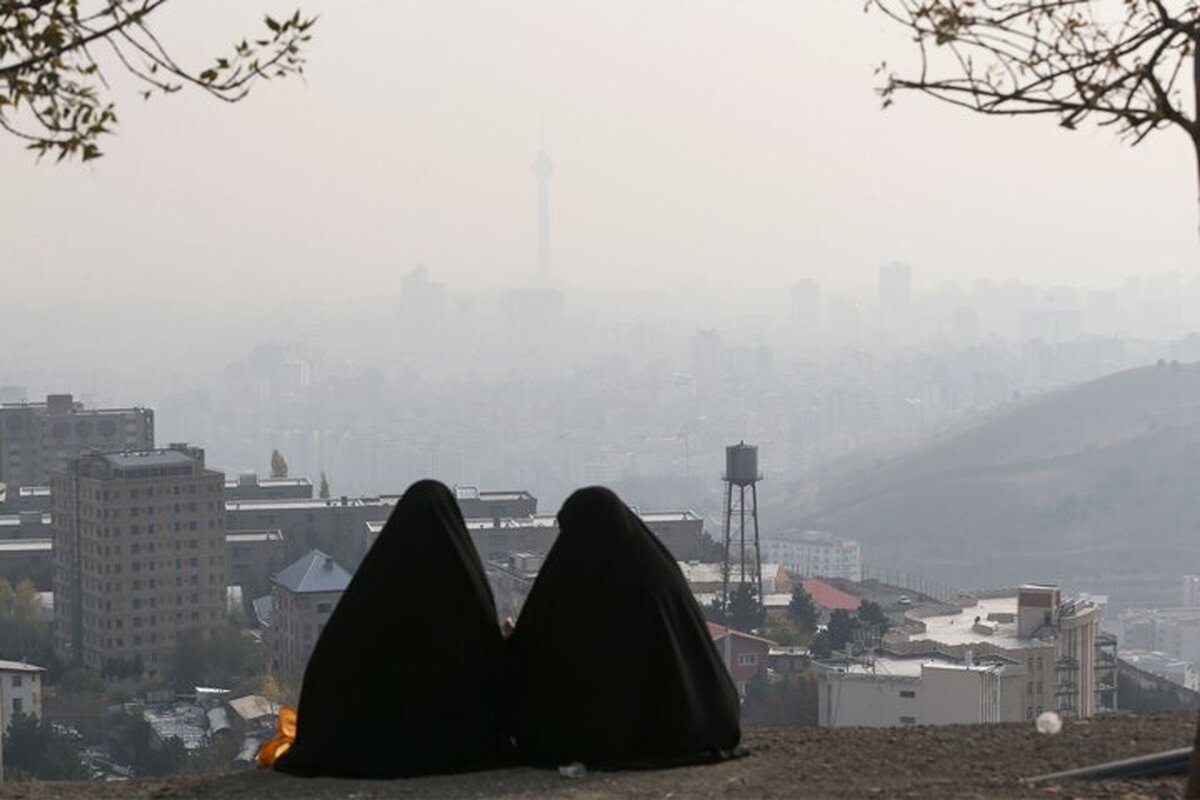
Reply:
x=741, y=473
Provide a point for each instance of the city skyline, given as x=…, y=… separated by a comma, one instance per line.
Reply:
x=702, y=179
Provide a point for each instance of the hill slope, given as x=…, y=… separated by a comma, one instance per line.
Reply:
x=1096, y=485
x=952, y=761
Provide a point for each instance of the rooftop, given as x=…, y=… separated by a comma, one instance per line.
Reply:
x=19, y=666
x=829, y=597
x=959, y=628
x=26, y=546
x=811, y=537
x=718, y=632
x=711, y=571
x=253, y=706
x=301, y=504
x=907, y=668
x=313, y=572
x=149, y=458
x=242, y=537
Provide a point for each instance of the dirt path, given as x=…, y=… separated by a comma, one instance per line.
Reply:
x=944, y=762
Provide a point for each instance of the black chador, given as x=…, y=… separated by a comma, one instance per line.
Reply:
x=611, y=659
x=406, y=678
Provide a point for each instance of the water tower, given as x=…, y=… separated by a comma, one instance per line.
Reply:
x=741, y=473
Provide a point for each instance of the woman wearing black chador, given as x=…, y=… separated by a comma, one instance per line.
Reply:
x=406, y=676
x=611, y=660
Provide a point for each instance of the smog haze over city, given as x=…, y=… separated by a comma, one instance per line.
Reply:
x=706, y=158
x=535, y=246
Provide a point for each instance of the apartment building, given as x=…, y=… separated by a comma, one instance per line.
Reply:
x=304, y=594
x=139, y=556
x=885, y=690
x=815, y=554
x=1070, y=667
x=253, y=557
x=38, y=438
x=20, y=691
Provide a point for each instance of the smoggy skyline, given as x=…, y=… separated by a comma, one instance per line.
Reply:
x=714, y=142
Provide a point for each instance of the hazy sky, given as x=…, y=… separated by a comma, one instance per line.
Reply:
x=720, y=141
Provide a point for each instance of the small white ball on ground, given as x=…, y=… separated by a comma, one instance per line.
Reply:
x=1049, y=722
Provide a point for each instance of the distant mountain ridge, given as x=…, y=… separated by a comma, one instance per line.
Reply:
x=1096, y=486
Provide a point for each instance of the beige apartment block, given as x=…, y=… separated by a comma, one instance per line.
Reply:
x=38, y=438
x=139, y=556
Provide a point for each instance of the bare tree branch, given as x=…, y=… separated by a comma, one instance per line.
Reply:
x=51, y=84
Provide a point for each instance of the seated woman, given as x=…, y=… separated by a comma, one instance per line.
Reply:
x=406, y=678
x=611, y=660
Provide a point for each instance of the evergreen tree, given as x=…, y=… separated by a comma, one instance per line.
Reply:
x=803, y=610
x=34, y=749
x=745, y=612
x=873, y=620
x=279, y=465
x=841, y=629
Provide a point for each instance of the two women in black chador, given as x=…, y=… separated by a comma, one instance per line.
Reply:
x=610, y=663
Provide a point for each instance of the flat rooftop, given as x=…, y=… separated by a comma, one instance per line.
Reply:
x=957, y=628
x=901, y=667
x=305, y=504
x=245, y=537
x=149, y=458
x=26, y=546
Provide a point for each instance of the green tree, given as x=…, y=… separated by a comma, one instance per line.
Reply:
x=33, y=749
x=841, y=629
x=279, y=465
x=873, y=619
x=22, y=633
x=56, y=56
x=803, y=610
x=323, y=493
x=745, y=612
x=1129, y=65
x=224, y=657
x=820, y=645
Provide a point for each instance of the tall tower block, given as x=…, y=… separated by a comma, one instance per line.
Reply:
x=741, y=473
x=543, y=168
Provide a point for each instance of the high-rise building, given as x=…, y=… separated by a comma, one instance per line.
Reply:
x=139, y=556
x=895, y=295
x=806, y=303
x=38, y=438
x=543, y=168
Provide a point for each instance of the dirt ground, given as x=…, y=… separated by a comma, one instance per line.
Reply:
x=942, y=762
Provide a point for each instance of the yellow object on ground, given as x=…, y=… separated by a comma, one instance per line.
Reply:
x=277, y=745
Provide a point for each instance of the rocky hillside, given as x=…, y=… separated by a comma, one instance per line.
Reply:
x=1095, y=486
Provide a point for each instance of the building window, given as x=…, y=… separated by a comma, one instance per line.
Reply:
x=907, y=693
x=324, y=608
x=18, y=705
x=908, y=720
x=16, y=681
x=747, y=659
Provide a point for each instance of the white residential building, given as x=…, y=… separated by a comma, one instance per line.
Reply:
x=891, y=690
x=815, y=554
x=20, y=691
x=1070, y=667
